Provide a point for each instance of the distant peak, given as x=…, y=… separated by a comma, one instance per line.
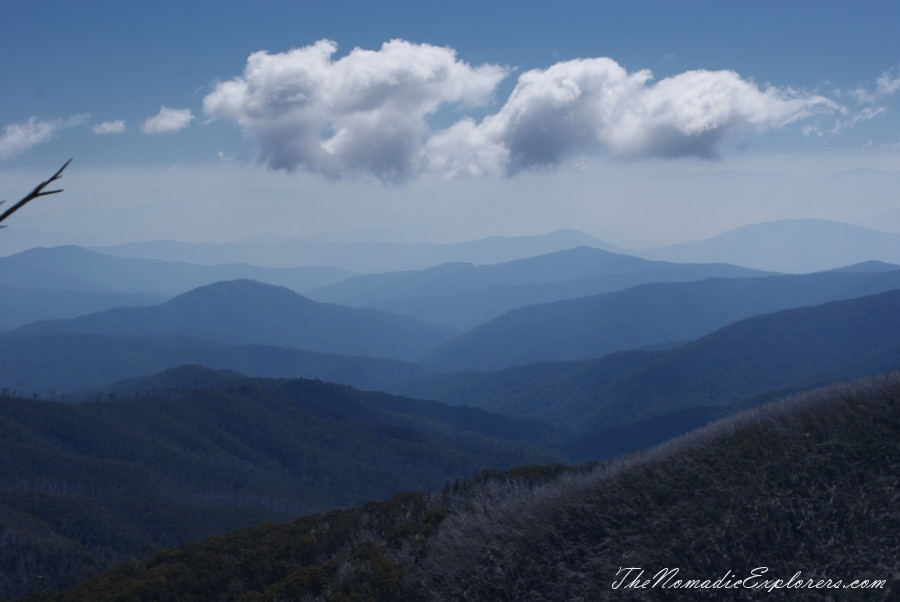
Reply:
x=240, y=286
x=868, y=267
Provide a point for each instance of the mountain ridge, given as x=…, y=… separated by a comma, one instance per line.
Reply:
x=71, y=267
x=86, y=485
x=245, y=311
x=644, y=316
x=361, y=257
x=20, y=306
x=793, y=348
x=465, y=295
x=40, y=362
x=790, y=246
x=790, y=488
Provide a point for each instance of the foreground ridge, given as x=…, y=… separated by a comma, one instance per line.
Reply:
x=807, y=485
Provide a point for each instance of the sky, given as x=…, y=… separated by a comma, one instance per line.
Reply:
x=644, y=123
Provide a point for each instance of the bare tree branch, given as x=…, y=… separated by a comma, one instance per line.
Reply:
x=38, y=191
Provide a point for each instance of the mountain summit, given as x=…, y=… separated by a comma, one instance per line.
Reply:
x=245, y=311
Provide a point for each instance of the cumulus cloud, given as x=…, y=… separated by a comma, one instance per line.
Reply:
x=363, y=113
x=167, y=120
x=594, y=106
x=110, y=127
x=367, y=112
x=19, y=137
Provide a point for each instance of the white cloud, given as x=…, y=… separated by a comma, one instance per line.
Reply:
x=167, y=120
x=19, y=137
x=363, y=113
x=850, y=120
x=465, y=149
x=367, y=112
x=593, y=106
x=110, y=127
x=887, y=84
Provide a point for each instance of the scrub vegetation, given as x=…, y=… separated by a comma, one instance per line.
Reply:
x=805, y=484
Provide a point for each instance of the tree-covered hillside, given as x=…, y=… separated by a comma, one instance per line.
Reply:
x=802, y=491
x=194, y=452
x=72, y=362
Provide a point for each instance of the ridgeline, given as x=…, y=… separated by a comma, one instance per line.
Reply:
x=807, y=485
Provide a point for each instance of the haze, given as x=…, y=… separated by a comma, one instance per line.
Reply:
x=643, y=125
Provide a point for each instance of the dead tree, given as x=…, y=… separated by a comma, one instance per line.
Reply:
x=38, y=191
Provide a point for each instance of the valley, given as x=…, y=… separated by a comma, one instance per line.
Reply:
x=175, y=416
x=449, y=302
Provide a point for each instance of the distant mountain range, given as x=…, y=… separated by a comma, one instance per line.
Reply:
x=265, y=330
x=793, y=349
x=460, y=285
x=158, y=460
x=464, y=295
x=19, y=306
x=72, y=268
x=790, y=349
x=361, y=257
x=791, y=246
x=598, y=354
x=245, y=312
x=660, y=314
x=70, y=281
x=73, y=365
x=66, y=282
x=134, y=459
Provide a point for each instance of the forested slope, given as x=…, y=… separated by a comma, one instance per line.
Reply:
x=69, y=362
x=195, y=452
x=804, y=486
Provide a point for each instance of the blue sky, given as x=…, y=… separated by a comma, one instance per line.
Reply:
x=643, y=123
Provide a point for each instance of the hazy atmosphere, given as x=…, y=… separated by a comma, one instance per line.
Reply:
x=515, y=300
x=643, y=124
